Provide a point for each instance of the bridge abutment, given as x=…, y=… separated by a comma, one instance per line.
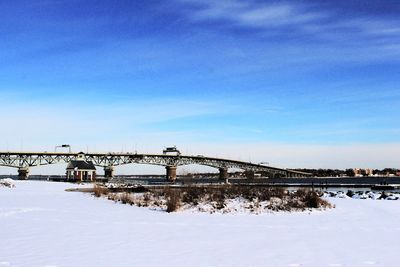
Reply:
x=23, y=173
x=171, y=173
x=108, y=171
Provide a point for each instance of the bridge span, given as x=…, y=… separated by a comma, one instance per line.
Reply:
x=23, y=161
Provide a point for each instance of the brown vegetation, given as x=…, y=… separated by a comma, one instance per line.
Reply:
x=257, y=198
x=173, y=199
x=279, y=199
x=99, y=190
x=126, y=198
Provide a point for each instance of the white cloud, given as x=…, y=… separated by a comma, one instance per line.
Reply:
x=369, y=26
x=252, y=14
x=34, y=126
x=324, y=25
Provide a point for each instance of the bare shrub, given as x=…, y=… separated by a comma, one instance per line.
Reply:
x=294, y=203
x=267, y=193
x=146, y=199
x=217, y=194
x=98, y=190
x=113, y=197
x=173, y=199
x=193, y=195
x=300, y=193
x=126, y=198
x=251, y=192
x=256, y=198
x=219, y=198
x=275, y=204
x=313, y=200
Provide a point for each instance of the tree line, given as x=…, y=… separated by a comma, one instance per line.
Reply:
x=349, y=172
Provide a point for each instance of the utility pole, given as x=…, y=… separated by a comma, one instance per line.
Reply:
x=63, y=146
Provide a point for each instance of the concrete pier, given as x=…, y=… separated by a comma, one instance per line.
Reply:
x=223, y=174
x=250, y=174
x=171, y=173
x=23, y=173
x=108, y=171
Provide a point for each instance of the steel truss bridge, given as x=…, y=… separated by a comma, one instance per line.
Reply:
x=24, y=160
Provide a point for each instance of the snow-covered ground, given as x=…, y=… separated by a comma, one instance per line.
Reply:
x=42, y=225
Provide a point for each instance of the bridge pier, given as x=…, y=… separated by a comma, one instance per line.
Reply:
x=171, y=173
x=291, y=175
x=223, y=174
x=23, y=173
x=108, y=171
x=250, y=174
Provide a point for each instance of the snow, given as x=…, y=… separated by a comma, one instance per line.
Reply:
x=207, y=204
x=7, y=182
x=43, y=225
x=364, y=195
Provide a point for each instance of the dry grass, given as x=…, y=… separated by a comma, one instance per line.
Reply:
x=126, y=198
x=257, y=198
x=174, y=198
x=278, y=198
x=192, y=195
x=99, y=190
x=311, y=199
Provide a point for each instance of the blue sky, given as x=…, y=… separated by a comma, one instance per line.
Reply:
x=213, y=77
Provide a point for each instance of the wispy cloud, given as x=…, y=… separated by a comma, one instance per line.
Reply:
x=254, y=14
x=60, y=121
x=292, y=19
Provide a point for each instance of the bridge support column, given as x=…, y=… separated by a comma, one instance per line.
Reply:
x=23, y=173
x=250, y=174
x=171, y=173
x=223, y=174
x=108, y=171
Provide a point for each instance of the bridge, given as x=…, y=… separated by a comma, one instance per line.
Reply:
x=23, y=161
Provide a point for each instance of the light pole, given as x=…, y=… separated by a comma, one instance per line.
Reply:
x=63, y=146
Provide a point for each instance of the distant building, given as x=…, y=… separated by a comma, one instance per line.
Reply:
x=363, y=172
x=81, y=170
x=357, y=172
x=369, y=172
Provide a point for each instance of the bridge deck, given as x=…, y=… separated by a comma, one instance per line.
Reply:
x=30, y=159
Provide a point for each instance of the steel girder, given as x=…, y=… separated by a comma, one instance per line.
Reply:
x=30, y=159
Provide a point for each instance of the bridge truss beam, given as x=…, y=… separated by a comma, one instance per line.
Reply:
x=109, y=160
